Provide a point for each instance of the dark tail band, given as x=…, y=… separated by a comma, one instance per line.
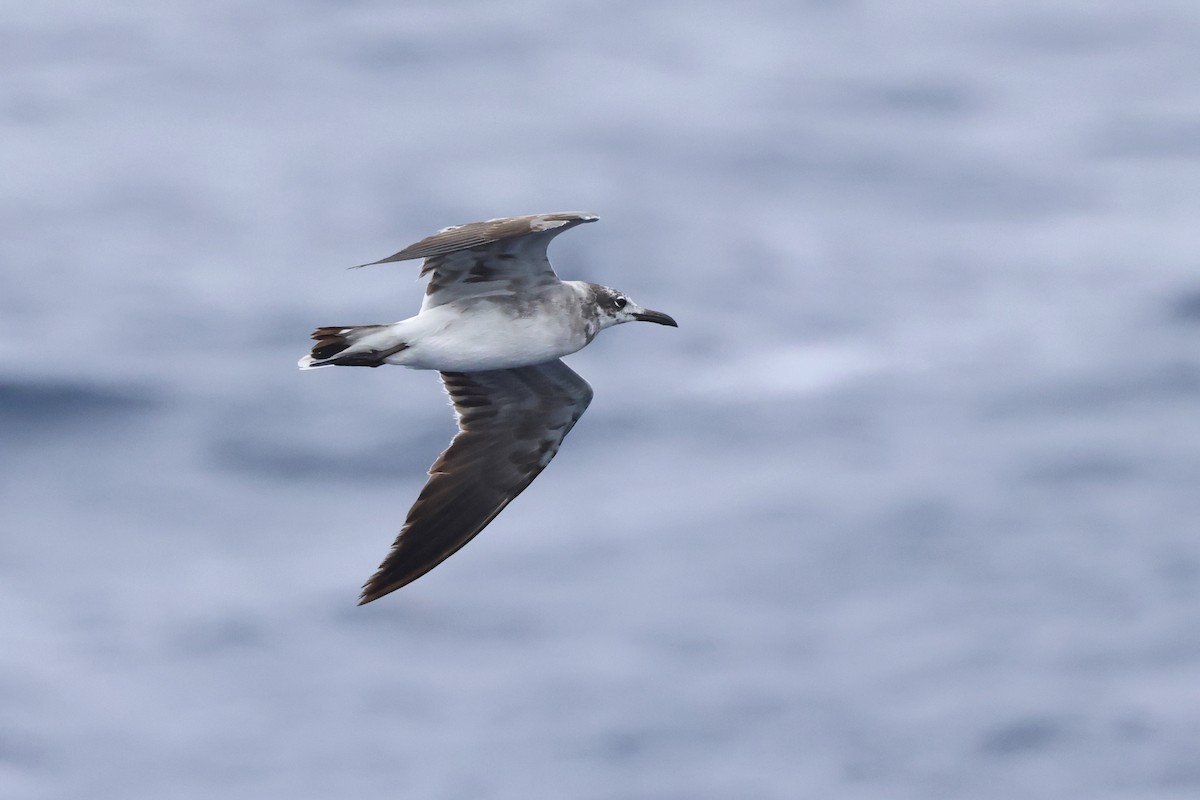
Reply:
x=334, y=339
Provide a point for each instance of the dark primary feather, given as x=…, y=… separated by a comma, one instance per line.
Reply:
x=475, y=234
x=511, y=423
x=494, y=258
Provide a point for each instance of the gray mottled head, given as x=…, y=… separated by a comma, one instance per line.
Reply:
x=613, y=307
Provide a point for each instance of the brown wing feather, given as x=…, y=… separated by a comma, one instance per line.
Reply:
x=500, y=257
x=511, y=423
x=476, y=234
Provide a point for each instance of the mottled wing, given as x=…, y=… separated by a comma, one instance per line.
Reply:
x=499, y=257
x=510, y=424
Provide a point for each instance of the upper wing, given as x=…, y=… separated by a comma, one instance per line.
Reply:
x=498, y=257
x=510, y=424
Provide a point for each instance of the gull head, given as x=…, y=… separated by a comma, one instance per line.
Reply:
x=614, y=307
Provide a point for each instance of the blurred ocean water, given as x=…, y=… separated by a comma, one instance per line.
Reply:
x=906, y=508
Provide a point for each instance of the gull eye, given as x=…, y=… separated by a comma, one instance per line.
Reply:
x=620, y=302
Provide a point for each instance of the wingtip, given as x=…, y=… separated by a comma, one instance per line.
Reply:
x=373, y=589
x=371, y=593
x=573, y=216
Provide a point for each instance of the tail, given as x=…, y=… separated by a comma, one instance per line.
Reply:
x=351, y=346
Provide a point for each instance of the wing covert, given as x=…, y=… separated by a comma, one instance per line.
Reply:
x=511, y=424
x=505, y=256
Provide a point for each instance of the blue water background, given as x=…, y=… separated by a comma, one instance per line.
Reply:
x=908, y=506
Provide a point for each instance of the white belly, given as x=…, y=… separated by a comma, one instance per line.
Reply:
x=447, y=340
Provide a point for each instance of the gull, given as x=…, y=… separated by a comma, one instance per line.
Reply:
x=495, y=322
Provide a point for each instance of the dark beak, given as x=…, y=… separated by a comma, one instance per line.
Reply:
x=655, y=316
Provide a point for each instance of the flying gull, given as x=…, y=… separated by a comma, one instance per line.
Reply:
x=495, y=322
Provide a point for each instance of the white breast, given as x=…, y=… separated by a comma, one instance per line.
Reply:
x=489, y=335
